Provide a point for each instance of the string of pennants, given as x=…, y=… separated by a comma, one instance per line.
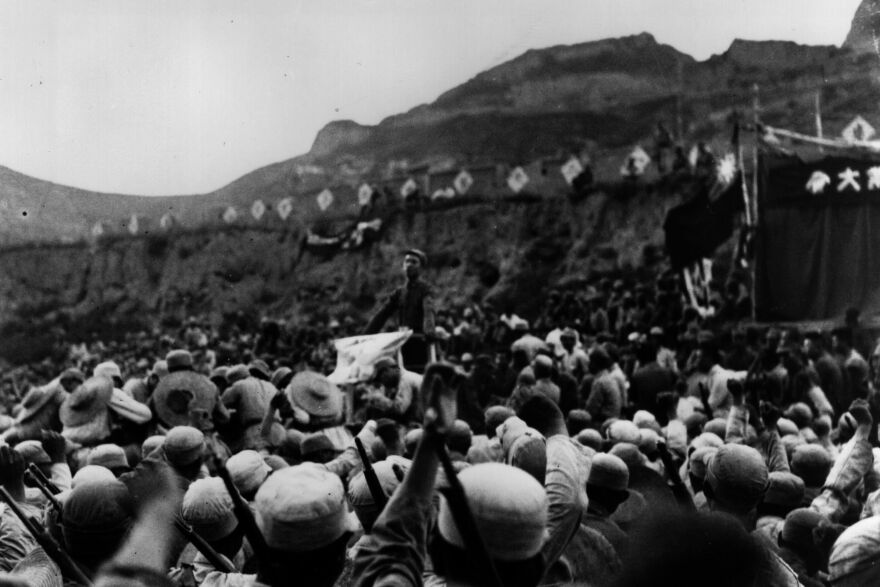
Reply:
x=517, y=180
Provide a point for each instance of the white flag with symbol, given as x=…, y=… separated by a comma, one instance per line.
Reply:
x=325, y=198
x=285, y=207
x=166, y=221
x=572, y=169
x=365, y=195
x=133, y=224
x=858, y=130
x=230, y=215
x=258, y=209
x=636, y=162
x=463, y=181
x=517, y=179
x=408, y=188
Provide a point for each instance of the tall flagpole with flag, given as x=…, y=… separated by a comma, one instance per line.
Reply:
x=819, y=116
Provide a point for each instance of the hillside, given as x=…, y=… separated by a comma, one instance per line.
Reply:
x=599, y=99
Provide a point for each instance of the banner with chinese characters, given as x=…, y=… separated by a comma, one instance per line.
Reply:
x=817, y=245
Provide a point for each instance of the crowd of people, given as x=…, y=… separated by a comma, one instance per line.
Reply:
x=617, y=438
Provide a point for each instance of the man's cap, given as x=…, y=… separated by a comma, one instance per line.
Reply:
x=259, y=369
x=92, y=474
x=35, y=400
x=72, y=374
x=812, y=463
x=609, y=472
x=509, y=507
x=96, y=517
x=786, y=426
x=248, y=470
x=108, y=455
x=179, y=360
x=281, y=377
x=184, y=445
x=797, y=530
x=629, y=454
x=420, y=255
x=624, y=431
x=107, y=369
x=529, y=453
x=360, y=497
x=591, y=438
x=32, y=451
x=800, y=413
x=208, y=507
x=237, y=373
x=784, y=489
x=301, y=508
x=856, y=554
x=698, y=461
x=738, y=477
x=716, y=426
x=151, y=444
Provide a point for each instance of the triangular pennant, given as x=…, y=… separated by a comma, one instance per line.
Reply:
x=285, y=207
x=133, y=224
x=325, y=198
x=517, y=179
x=365, y=195
x=571, y=169
x=858, y=131
x=463, y=181
x=230, y=215
x=258, y=208
x=408, y=188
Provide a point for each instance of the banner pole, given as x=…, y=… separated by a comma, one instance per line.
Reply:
x=756, y=106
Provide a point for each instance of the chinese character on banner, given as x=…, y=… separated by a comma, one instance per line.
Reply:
x=133, y=224
x=285, y=207
x=517, y=179
x=167, y=221
x=408, y=188
x=258, y=209
x=571, y=169
x=849, y=178
x=97, y=230
x=365, y=195
x=463, y=181
x=817, y=183
x=874, y=178
x=230, y=215
x=324, y=199
x=858, y=130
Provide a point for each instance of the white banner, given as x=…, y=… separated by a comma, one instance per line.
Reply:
x=258, y=208
x=325, y=199
x=285, y=207
x=463, y=181
x=517, y=179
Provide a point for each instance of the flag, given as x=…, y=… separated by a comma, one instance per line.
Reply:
x=97, y=230
x=697, y=277
x=356, y=355
x=258, y=209
x=636, y=163
x=858, y=131
x=284, y=208
x=230, y=215
x=699, y=226
x=167, y=221
x=324, y=199
x=517, y=180
x=133, y=224
x=463, y=181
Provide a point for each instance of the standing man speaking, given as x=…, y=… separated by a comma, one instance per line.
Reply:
x=414, y=305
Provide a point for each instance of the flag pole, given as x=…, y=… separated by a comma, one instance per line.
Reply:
x=756, y=119
x=819, y=117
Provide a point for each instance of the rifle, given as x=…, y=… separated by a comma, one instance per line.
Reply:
x=36, y=472
x=30, y=477
x=67, y=565
x=244, y=515
x=464, y=520
x=219, y=563
x=379, y=497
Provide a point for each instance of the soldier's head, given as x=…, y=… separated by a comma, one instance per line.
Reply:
x=414, y=261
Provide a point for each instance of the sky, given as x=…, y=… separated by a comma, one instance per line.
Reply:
x=156, y=97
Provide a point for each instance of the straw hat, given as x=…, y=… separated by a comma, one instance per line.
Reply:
x=35, y=400
x=179, y=391
x=315, y=394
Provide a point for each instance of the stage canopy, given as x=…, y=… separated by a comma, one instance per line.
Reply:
x=818, y=237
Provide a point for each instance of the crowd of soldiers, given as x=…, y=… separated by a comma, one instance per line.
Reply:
x=619, y=438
